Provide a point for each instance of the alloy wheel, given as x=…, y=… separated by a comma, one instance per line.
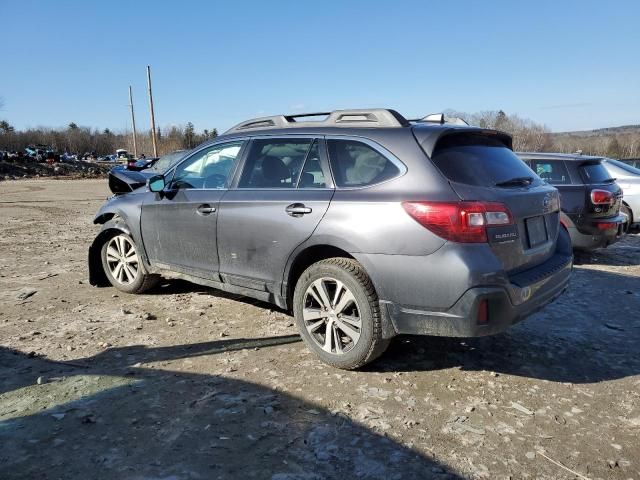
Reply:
x=122, y=260
x=331, y=316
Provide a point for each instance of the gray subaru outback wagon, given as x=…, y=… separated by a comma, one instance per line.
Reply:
x=364, y=224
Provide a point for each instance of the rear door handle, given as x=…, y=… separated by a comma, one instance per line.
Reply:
x=297, y=209
x=205, y=209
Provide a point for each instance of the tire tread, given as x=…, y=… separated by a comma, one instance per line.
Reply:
x=378, y=345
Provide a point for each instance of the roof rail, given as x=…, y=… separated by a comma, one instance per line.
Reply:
x=367, y=117
x=439, y=118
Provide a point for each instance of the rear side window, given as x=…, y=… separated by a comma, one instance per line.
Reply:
x=312, y=175
x=552, y=171
x=595, y=173
x=275, y=163
x=356, y=164
x=478, y=160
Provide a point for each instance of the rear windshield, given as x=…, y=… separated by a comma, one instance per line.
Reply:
x=479, y=160
x=595, y=173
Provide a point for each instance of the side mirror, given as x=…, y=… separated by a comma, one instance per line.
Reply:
x=156, y=183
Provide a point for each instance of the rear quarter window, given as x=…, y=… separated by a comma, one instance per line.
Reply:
x=552, y=171
x=478, y=160
x=356, y=164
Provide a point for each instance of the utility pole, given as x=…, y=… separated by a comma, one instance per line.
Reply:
x=133, y=122
x=153, y=118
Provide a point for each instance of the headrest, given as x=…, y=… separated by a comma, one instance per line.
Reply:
x=274, y=169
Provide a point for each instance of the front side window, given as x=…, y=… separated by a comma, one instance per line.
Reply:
x=276, y=163
x=356, y=164
x=209, y=168
x=552, y=171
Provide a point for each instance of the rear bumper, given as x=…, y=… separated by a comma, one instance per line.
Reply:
x=525, y=294
x=590, y=237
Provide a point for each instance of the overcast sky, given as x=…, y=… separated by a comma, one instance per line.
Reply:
x=572, y=65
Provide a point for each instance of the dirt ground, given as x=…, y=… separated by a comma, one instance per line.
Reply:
x=189, y=383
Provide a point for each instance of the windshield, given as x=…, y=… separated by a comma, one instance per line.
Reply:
x=483, y=161
x=167, y=161
x=626, y=168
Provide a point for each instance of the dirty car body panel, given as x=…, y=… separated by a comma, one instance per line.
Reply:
x=336, y=197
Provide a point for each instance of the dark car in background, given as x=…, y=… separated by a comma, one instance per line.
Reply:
x=364, y=224
x=124, y=179
x=590, y=198
x=140, y=164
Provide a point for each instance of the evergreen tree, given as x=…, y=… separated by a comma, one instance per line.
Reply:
x=5, y=127
x=189, y=134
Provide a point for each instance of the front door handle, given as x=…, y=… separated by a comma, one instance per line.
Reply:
x=205, y=209
x=297, y=209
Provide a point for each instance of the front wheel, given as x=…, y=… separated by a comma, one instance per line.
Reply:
x=338, y=314
x=123, y=266
x=626, y=227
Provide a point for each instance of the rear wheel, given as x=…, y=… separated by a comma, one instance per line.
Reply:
x=123, y=266
x=338, y=314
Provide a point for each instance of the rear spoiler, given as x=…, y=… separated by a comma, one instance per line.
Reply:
x=429, y=138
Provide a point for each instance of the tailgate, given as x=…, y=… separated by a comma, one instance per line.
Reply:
x=531, y=239
x=480, y=166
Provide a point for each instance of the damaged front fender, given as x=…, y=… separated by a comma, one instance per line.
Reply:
x=112, y=227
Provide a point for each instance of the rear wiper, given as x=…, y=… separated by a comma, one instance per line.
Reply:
x=525, y=181
x=609, y=180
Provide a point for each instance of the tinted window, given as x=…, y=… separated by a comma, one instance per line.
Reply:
x=356, y=164
x=275, y=163
x=209, y=168
x=595, y=173
x=312, y=175
x=478, y=160
x=551, y=171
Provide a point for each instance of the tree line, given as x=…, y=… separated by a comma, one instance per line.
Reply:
x=79, y=140
x=528, y=135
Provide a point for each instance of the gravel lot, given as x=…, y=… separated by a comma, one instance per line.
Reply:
x=189, y=383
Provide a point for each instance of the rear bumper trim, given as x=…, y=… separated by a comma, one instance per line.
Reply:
x=507, y=306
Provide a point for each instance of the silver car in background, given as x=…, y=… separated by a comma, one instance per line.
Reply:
x=628, y=178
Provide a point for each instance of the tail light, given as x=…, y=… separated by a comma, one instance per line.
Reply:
x=607, y=225
x=464, y=222
x=602, y=197
x=483, y=312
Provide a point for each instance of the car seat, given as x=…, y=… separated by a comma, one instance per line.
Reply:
x=274, y=171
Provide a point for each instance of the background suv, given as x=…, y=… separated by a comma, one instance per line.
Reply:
x=590, y=197
x=364, y=224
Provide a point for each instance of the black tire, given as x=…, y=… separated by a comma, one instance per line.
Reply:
x=627, y=211
x=142, y=280
x=370, y=344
